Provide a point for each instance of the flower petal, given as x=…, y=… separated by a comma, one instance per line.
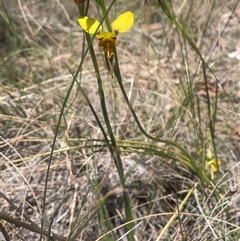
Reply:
x=123, y=22
x=106, y=35
x=90, y=25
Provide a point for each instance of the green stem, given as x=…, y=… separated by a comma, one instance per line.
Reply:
x=105, y=13
x=116, y=154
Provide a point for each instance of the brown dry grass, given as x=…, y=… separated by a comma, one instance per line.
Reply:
x=38, y=41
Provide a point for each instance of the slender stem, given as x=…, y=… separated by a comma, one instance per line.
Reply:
x=30, y=227
x=105, y=14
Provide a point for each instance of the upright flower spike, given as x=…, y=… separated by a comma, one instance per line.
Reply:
x=107, y=40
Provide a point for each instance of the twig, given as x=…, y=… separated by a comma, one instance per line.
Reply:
x=18, y=209
x=4, y=232
x=30, y=227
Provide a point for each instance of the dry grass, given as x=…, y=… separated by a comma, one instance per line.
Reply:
x=39, y=39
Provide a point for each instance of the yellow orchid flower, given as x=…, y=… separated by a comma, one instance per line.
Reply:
x=107, y=40
x=215, y=164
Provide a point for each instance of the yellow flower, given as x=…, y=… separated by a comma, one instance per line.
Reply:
x=215, y=164
x=107, y=40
